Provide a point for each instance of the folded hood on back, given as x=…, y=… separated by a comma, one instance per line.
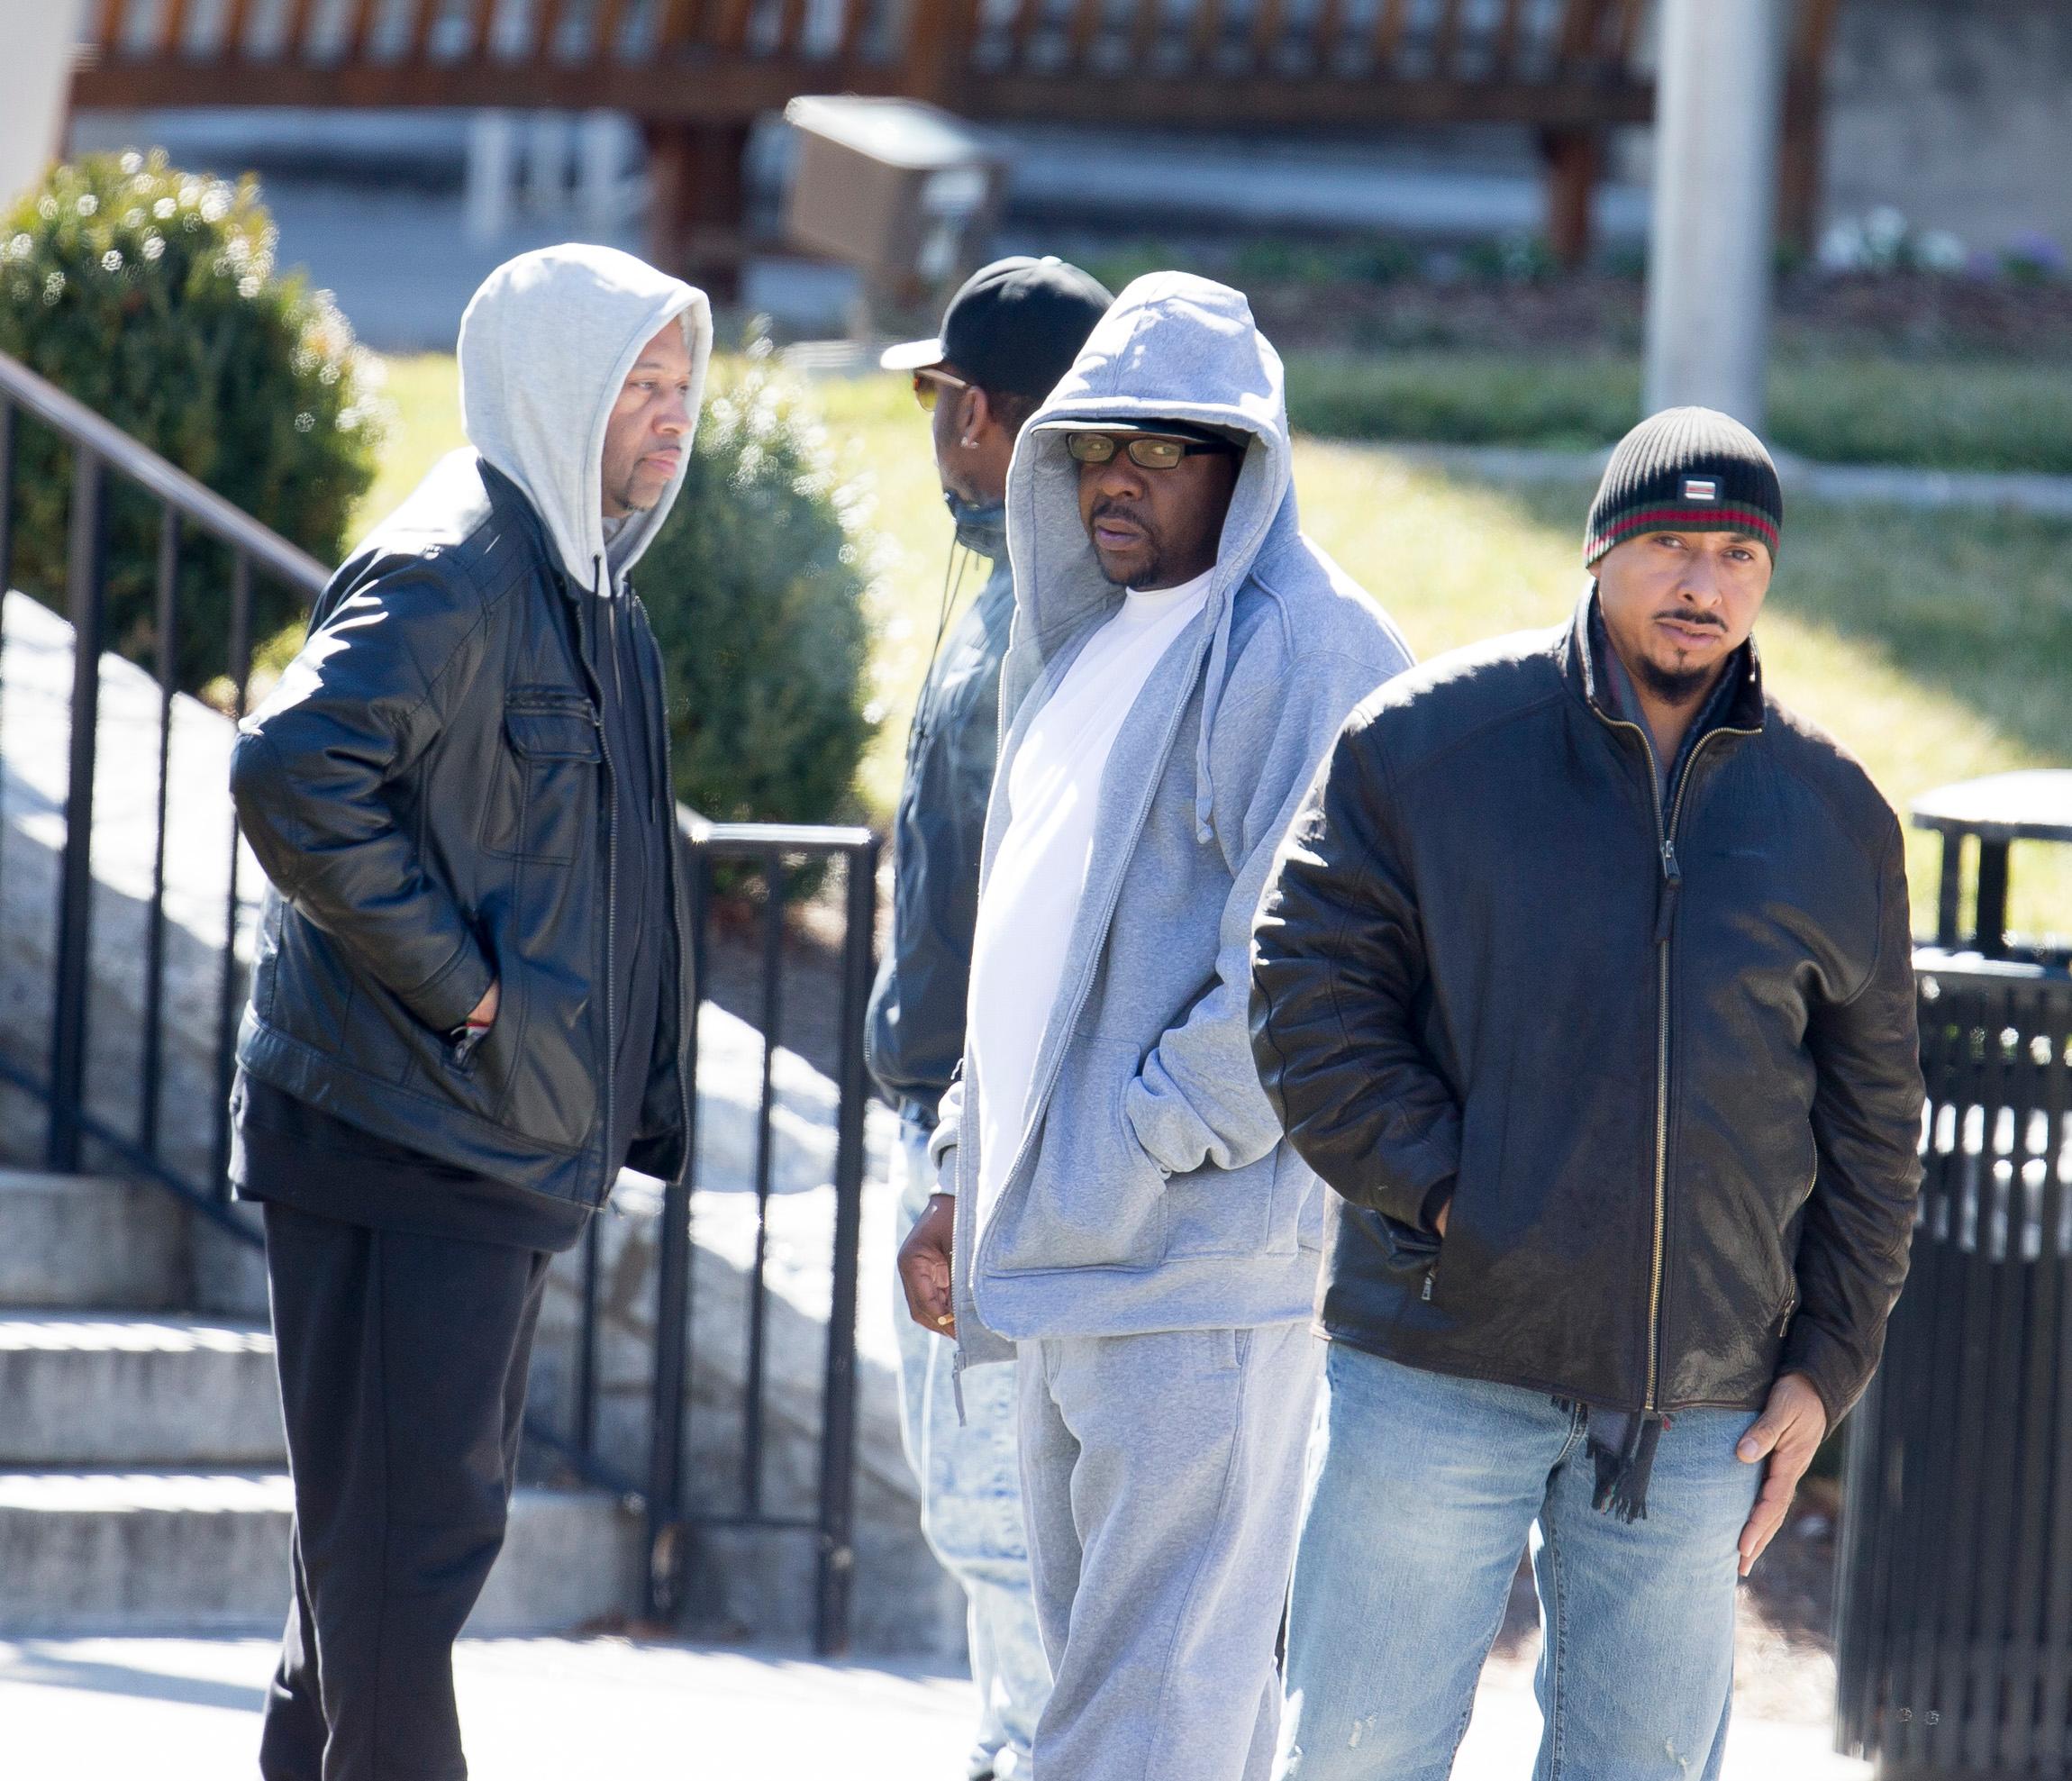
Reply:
x=546, y=345
x=1174, y=347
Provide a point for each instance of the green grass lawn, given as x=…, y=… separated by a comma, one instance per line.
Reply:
x=1940, y=414
x=1936, y=646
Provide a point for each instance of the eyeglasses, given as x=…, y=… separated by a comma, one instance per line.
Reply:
x=929, y=383
x=1147, y=452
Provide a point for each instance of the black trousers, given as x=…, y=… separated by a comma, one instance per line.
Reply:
x=403, y=1364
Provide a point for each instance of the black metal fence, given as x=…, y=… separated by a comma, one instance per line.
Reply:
x=1954, y=1634
x=80, y=1131
x=189, y=514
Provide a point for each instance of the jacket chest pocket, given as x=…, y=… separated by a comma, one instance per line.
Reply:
x=543, y=804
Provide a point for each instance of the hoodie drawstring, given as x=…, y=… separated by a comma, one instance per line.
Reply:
x=1212, y=697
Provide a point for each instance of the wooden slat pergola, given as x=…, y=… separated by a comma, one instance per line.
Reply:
x=696, y=73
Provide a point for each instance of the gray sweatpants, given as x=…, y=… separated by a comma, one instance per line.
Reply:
x=1161, y=1481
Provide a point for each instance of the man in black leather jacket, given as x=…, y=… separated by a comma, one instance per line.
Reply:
x=1008, y=336
x=1584, y=982
x=471, y=995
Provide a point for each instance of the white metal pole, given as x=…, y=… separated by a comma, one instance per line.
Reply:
x=490, y=194
x=1718, y=112
x=35, y=84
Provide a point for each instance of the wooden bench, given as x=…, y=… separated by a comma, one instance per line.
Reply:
x=696, y=73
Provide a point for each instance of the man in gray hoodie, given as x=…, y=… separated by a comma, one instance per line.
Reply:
x=1008, y=335
x=1126, y=1221
x=469, y=1009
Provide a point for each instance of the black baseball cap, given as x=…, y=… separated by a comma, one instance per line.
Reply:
x=1015, y=326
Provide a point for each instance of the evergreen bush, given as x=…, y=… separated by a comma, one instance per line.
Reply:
x=758, y=590
x=150, y=294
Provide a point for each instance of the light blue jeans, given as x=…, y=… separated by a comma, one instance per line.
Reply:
x=1420, y=1490
x=970, y=1478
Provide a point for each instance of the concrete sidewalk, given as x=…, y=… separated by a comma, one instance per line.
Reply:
x=187, y=1710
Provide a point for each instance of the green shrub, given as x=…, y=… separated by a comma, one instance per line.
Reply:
x=150, y=294
x=756, y=589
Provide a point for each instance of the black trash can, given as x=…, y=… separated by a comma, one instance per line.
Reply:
x=1954, y=1611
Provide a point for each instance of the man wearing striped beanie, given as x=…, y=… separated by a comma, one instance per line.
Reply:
x=1584, y=982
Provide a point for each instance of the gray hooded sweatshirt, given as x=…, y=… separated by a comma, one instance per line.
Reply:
x=1153, y=1189
x=557, y=333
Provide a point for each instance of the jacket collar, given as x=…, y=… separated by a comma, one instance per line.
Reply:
x=1577, y=655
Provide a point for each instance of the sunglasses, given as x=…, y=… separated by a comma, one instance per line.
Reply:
x=930, y=383
x=1147, y=452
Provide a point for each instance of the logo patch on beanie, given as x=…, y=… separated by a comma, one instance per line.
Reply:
x=1701, y=488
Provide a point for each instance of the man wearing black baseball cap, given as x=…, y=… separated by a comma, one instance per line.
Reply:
x=1008, y=335
x=1584, y=981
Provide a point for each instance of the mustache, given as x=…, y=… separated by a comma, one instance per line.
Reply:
x=1109, y=508
x=1683, y=617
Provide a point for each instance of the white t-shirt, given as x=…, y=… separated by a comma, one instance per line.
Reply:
x=1032, y=897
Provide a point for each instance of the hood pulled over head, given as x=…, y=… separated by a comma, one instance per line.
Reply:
x=546, y=345
x=1174, y=347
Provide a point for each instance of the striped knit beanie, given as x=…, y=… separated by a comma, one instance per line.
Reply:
x=1686, y=469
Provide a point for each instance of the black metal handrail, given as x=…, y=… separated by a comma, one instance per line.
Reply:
x=100, y=448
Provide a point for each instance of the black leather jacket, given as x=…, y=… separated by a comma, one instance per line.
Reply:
x=430, y=792
x=1660, y=1054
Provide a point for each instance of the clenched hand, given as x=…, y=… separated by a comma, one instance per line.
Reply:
x=924, y=1266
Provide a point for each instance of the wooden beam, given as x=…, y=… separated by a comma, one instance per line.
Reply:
x=1202, y=99
x=546, y=28
x=105, y=33
x=715, y=86
x=1801, y=148
x=1574, y=160
x=423, y=14
x=1086, y=28
x=1388, y=24
x=1205, y=40
x=1577, y=33
x=173, y=28
x=1144, y=32
x=1021, y=31
x=673, y=32
x=1503, y=55
x=1446, y=38
x=712, y=88
x=1626, y=33
x=1324, y=36
x=609, y=19
x=294, y=34
x=1270, y=18
x=853, y=15
x=359, y=27
x=698, y=203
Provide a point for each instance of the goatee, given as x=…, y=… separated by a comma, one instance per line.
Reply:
x=1674, y=686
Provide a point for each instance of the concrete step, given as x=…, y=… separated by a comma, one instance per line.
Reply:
x=116, y=1388
x=70, y=1240
x=149, y=1550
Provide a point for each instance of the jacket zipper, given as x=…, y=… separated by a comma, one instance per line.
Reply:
x=1039, y=1094
x=687, y=986
x=606, y=1171
x=1665, y=917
